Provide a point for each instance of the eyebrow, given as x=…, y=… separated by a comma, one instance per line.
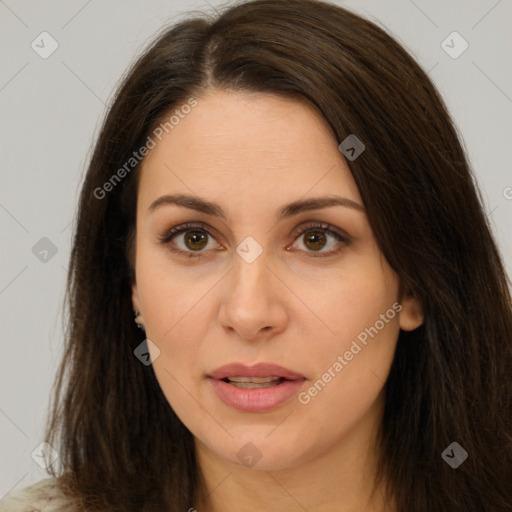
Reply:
x=207, y=207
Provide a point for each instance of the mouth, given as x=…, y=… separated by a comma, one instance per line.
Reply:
x=258, y=373
x=257, y=388
x=253, y=382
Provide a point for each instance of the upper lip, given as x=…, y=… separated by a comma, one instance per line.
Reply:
x=257, y=370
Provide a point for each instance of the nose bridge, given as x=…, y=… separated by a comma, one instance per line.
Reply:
x=250, y=273
x=251, y=303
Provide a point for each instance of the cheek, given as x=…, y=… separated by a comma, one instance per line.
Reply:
x=171, y=296
x=352, y=365
x=174, y=306
x=348, y=300
x=347, y=386
x=351, y=372
x=176, y=321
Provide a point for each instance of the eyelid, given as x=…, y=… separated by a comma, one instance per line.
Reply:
x=322, y=226
x=175, y=231
x=343, y=238
x=187, y=226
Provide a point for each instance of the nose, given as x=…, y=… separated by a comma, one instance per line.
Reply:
x=253, y=304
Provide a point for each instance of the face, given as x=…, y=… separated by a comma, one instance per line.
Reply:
x=297, y=299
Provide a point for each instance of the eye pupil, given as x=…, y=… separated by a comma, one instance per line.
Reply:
x=196, y=238
x=316, y=238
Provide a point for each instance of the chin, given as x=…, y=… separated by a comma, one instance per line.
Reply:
x=260, y=450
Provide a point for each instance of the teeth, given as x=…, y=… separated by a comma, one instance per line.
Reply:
x=254, y=385
x=254, y=380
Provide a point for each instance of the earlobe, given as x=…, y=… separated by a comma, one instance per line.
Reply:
x=411, y=315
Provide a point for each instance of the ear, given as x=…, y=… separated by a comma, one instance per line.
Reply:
x=136, y=303
x=411, y=314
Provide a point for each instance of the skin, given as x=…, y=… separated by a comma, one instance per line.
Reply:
x=252, y=154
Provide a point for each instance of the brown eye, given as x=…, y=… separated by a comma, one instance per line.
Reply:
x=315, y=240
x=189, y=240
x=192, y=240
x=195, y=240
x=319, y=240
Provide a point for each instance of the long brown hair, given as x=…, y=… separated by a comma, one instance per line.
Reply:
x=121, y=445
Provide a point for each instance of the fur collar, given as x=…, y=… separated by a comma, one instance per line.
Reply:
x=43, y=496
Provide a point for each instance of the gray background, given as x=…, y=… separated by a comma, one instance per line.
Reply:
x=52, y=108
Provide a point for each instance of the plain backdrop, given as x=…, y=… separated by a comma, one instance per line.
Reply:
x=51, y=109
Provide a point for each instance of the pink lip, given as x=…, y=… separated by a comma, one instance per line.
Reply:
x=258, y=399
x=257, y=370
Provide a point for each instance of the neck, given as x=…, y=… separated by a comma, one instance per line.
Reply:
x=340, y=478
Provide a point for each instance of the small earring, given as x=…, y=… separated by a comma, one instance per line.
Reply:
x=135, y=315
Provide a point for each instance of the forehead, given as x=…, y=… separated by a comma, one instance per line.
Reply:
x=250, y=145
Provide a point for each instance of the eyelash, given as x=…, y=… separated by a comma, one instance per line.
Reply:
x=314, y=226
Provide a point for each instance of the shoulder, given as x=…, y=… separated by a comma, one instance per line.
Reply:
x=43, y=496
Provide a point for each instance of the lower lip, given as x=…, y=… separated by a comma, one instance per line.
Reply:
x=257, y=399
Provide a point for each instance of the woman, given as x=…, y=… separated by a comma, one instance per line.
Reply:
x=279, y=199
